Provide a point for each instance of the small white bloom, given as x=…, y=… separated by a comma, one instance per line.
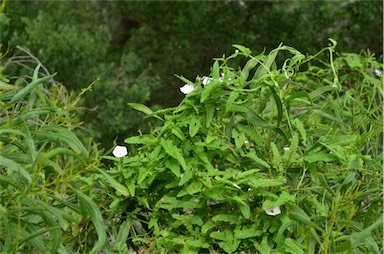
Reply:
x=181, y=175
x=249, y=189
x=286, y=148
x=273, y=211
x=246, y=141
x=237, y=186
x=377, y=72
x=186, y=89
x=236, y=51
x=206, y=80
x=120, y=151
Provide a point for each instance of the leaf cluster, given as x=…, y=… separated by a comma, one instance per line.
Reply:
x=46, y=186
x=303, y=137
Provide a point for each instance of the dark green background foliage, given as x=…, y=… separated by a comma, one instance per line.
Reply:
x=135, y=48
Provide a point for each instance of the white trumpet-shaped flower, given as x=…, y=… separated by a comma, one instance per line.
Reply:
x=186, y=89
x=120, y=151
x=273, y=211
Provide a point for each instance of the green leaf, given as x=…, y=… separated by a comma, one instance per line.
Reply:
x=300, y=127
x=265, y=67
x=8, y=163
x=319, y=156
x=231, y=99
x=144, y=109
x=173, y=166
x=114, y=184
x=264, y=182
x=247, y=68
x=245, y=210
x=186, y=81
x=62, y=135
x=26, y=90
x=279, y=105
x=178, y=133
x=173, y=151
x=187, y=175
x=298, y=214
x=207, y=90
x=142, y=139
x=216, y=70
x=122, y=236
x=256, y=120
x=243, y=49
x=252, y=155
x=210, y=111
x=248, y=231
x=276, y=155
x=89, y=208
x=230, y=218
x=194, y=126
x=291, y=246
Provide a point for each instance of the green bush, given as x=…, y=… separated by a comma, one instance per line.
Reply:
x=266, y=158
x=46, y=171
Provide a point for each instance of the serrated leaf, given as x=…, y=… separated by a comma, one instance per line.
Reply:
x=252, y=155
x=174, y=167
x=264, y=182
x=300, y=127
x=173, y=151
x=194, y=126
x=187, y=175
x=142, y=139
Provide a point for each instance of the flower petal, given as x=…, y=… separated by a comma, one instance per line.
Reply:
x=186, y=89
x=120, y=151
x=273, y=211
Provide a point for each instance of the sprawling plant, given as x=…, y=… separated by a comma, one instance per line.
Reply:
x=266, y=158
x=46, y=189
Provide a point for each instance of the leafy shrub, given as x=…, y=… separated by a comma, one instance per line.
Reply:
x=275, y=159
x=46, y=185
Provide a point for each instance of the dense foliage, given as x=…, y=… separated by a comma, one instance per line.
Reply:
x=278, y=159
x=46, y=181
x=136, y=47
x=276, y=152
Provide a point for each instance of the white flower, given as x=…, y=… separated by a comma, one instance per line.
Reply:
x=206, y=80
x=237, y=186
x=273, y=211
x=120, y=151
x=377, y=72
x=246, y=141
x=249, y=189
x=286, y=148
x=186, y=89
x=181, y=175
x=236, y=51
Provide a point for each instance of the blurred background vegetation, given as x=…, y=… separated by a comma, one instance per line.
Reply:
x=134, y=48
